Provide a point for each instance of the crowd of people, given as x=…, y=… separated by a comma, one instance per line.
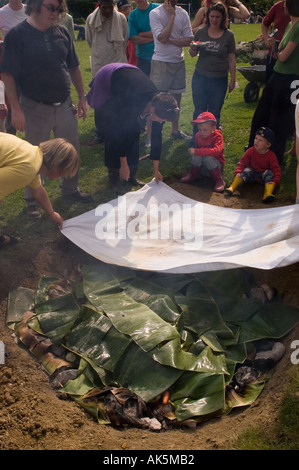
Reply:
x=137, y=74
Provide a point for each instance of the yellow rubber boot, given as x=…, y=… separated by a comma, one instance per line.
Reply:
x=268, y=196
x=236, y=182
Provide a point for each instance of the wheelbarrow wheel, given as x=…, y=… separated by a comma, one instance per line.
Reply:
x=251, y=92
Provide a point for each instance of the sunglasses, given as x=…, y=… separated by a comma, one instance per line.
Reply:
x=52, y=9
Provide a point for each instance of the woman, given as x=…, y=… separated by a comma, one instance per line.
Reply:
x=275, y=20
x=121, y=94
x=276, y=108
x=216, y=58
x=21, y=164
x=236, y=10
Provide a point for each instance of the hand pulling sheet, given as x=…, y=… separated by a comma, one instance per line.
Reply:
x=158, y=229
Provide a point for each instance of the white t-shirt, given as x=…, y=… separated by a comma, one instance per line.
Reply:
x=297, y=119
x=10, y=18
x=181, y=29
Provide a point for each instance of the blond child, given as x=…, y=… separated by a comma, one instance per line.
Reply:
x=208, y=153
x=259, y=164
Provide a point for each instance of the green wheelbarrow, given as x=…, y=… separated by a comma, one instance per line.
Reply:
x=256, y=75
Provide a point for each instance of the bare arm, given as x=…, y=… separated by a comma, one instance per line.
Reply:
x=180, y=42
x=166, y=32
x=269, y=42
x=142, y=38
x=239, y=11
x=41, y=196
x=124, y=169
x=232, y=70
x=199, y=19
x=157, y=175
x=77, y=80
x=17, y=115
x=285, y=53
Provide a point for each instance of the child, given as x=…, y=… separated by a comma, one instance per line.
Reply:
x=258, y=164
x=208, y=154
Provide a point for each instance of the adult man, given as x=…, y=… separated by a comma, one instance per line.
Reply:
x=140, y=34
x=39, y=56
x=172, y=32
x=11, y=15
x=121, y=93
x=106, y=33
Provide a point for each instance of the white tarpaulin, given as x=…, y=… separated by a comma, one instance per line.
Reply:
x=158, y=229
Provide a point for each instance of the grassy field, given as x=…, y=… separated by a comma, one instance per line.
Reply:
x=236, y=119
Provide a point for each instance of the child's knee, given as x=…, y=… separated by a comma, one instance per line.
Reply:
x=247, y=175
x=268, y=176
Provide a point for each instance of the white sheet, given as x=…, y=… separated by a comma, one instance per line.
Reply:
x=202, y=238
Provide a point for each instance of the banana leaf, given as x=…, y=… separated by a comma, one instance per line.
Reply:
x=198, y=395
x=140, y=373
x=20, y=300
x=56, y=316
x=250, y=394
x=201, y=312
x=174, y=283
x=234, y=282
x=46, y=283
x=96, y=340
x=159, y=299
x=136, y=320
x=273, y=320
x=85, y=381
x=171, y=354
x=102, y=279
x=153, y=332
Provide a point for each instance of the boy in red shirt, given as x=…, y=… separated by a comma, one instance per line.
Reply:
x=258, y=164
x=208, y=154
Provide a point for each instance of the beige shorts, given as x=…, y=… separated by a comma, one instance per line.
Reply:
x=168, y=76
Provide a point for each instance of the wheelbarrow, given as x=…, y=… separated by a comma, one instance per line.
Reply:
x=256, y=75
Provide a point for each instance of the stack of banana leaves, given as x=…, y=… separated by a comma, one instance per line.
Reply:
x=153, y=350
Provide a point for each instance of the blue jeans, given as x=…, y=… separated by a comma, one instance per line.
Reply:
x=208, y=95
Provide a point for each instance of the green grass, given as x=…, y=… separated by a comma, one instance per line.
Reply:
x=175, y=161
x=284, y=434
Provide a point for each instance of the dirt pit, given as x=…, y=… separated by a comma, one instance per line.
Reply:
x=33, y=417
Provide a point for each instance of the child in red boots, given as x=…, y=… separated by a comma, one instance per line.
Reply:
x=208, y=154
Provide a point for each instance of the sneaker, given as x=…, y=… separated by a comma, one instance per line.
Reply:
x=78, y=196
x=33, y=212
x=180, y=136
x=148, y=141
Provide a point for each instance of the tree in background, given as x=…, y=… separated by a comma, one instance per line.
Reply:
x=82, y=8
